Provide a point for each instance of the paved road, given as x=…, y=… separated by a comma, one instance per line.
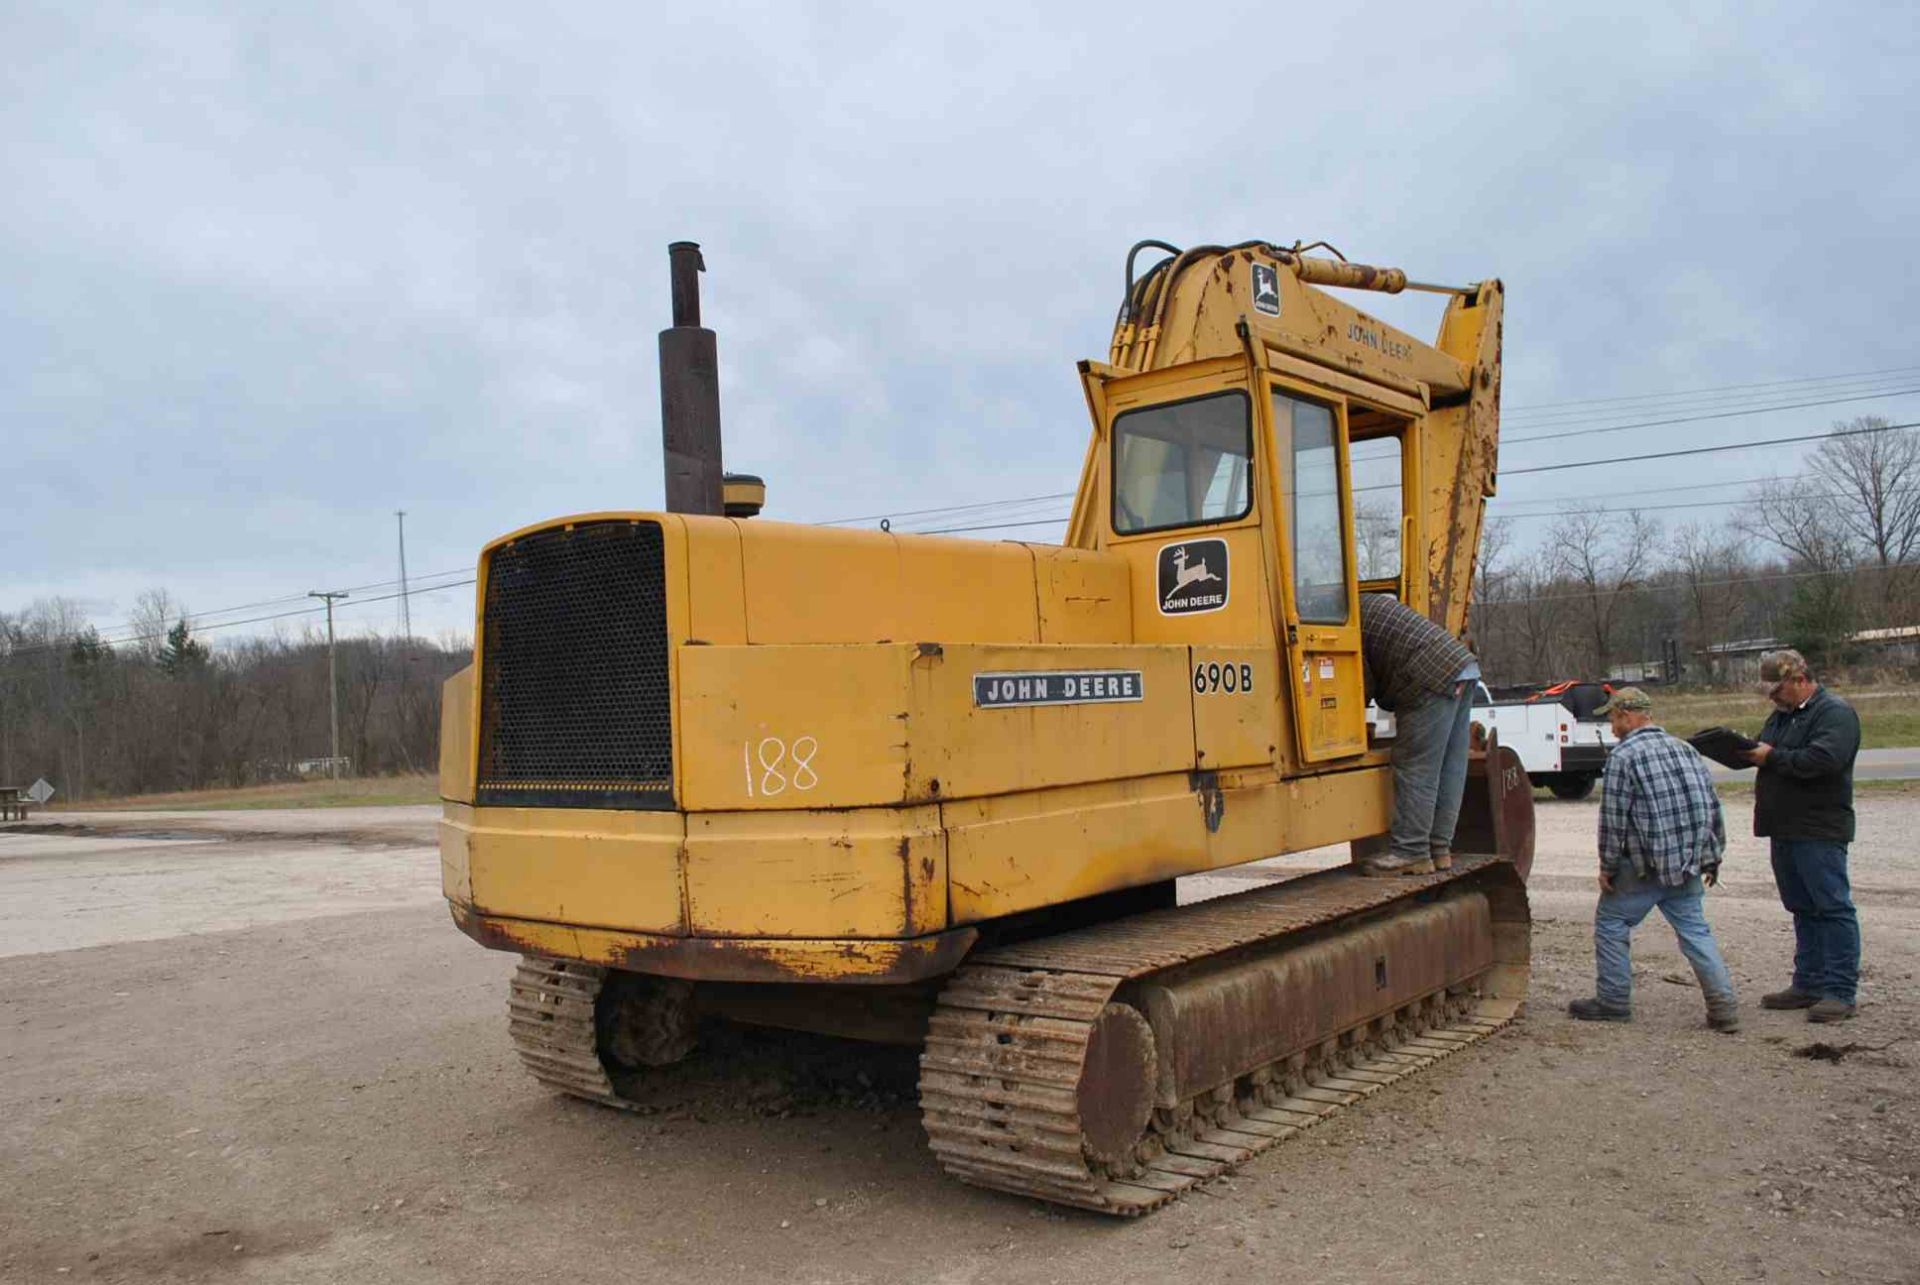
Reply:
x=1899, y=764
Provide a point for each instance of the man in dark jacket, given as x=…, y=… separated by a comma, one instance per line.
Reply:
x=1425, y=676
x=1803, y=802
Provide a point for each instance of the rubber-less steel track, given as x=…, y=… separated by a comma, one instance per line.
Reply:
x=1023, y=1035
x=550, y=1015
x=1006, y=1071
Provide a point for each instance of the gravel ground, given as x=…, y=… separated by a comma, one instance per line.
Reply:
x=251, y=1048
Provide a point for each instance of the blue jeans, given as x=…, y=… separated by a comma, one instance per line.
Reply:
x=1430, y=743
x=1615, y=918
x=1812, y=877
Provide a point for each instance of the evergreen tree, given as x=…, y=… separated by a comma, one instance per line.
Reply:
x=88, y=651
x=1820, y=620
x=183, y=653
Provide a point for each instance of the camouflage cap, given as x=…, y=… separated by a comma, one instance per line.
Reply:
x=1630, y=699
x=1782, y=664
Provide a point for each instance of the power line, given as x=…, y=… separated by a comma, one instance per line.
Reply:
x=1644, y=490
x=416, y=591
x=951, y=508
x=1696, y=419
x=982, y=506
x=1716, y=401
x=200, y=619
x=1705, y=504
x=1584, y=463
x=991, y=526
x=1777, y=383
x=1017, y=513
x=1710, y=450
x=203, y=623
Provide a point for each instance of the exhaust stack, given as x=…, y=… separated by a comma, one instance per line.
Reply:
x=690, y=394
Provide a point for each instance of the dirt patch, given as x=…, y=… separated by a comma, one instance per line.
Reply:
x=376, y=791
x=185, y=830
x=340, y=1092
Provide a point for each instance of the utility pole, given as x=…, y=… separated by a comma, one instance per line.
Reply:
x=406, y=609
x=333, y=678
x=80, y=777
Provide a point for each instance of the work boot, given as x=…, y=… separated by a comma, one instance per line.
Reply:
x=1725, y=1020
x=1829, y=1010
x=1792, y=997
x=1392, y=864
x=1593, y=1010
x=1443, y=860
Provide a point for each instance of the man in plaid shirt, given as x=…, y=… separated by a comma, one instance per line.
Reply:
x=1425, y=676
x=1661, y=836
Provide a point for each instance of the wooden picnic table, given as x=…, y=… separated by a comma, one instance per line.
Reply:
x=13, y=803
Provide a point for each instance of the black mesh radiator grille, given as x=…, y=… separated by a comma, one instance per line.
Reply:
x=574, y=705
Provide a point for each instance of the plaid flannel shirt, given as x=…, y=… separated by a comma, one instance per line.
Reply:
x=1658, y=811
x=1409, y=656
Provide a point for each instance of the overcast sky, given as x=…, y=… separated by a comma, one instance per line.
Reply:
x=272, y=272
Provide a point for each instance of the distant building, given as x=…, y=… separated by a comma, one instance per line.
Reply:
x=1738, y=660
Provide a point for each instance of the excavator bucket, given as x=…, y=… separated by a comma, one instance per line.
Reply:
x=1496, y=812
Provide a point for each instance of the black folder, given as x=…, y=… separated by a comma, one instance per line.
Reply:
x=1723, y=745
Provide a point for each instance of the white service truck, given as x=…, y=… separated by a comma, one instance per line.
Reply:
x=1559, y=750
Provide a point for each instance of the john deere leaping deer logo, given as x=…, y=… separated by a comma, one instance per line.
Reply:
x=1266, y=289
x=1193, y=577
x=1184, y=575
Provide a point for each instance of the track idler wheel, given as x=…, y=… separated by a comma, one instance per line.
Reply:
x=1115, y=1093
x=643, y=1021
x=577, y=1026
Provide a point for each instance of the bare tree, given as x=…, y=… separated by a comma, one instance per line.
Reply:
x=1793, y=515
x=1796, y=516
x=1490, y=576
x=1518, y=620
x=1376, y=527
x=94, y=720
x=1538, y=615
x=1496, y=547
x=1871, y=485
x=365, y=665
x=1710, y=565
x=1604, y=556
x=154, y=613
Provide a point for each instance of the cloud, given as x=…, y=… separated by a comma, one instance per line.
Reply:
x=275, y=273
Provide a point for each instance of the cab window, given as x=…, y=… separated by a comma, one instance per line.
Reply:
x=1378, y=506
x=1309, y=448
x=1182, y=464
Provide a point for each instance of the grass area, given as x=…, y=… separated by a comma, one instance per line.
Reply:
x=1887, y=718
x=379, y=791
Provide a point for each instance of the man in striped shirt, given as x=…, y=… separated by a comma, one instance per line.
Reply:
x=1661, y=838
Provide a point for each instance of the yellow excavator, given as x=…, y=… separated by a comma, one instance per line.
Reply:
x=935, y=791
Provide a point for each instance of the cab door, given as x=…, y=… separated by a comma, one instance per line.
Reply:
x=1320, y=617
